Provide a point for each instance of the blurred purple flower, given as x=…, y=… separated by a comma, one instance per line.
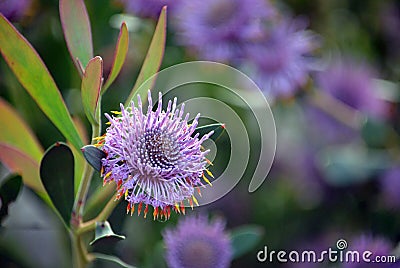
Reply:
x=15, y=10
x=219, y=29
x=196, y=243
x=390, y=187
x=317, y=244
x=352, y=83
x=153, y=158
x=148, y=8
x=281, y=61
x=379, y=246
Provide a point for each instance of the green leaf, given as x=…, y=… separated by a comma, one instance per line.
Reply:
x=218, y=129
x=78, y=156
x=31, y=72
x=113, y=259
x=121, y=50
x=57, y=174
x=153, y=59
x=21, y=163
x=103, y=230
x=93, y=156
x=9, y=191
x=244, y=239
x=77, y=32
x=79, y=163
x=16, y=132
x=91, y=86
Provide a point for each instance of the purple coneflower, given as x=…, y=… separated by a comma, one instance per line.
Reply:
x=219, y=29
x=281, y=60
x=196, y=243
x=148, y=8
x=153, y=157
x=352, y=83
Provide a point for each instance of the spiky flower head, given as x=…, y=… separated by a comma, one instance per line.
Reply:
x=282, y=60
x=220, y=29
x=153, y=157
x=197, y=243
x=352, y=83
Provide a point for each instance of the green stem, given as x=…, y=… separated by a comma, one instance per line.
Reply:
x=98, y=199
x=86, y=177
x=82, y=191
x=78, y=257
x=103, y=215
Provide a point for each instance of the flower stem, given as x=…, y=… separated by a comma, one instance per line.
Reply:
x=83, y=187
x=103, y=215
x=79, y=251
x=98, y=198
x=80, y=199
x=79, y=260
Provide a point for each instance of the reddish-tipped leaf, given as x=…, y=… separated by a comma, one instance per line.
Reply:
x=33, y=75
x=153, y=59
x=17, y=133
x=121, y=50
x=91, y=86
x=20, y=163
x=77, y=32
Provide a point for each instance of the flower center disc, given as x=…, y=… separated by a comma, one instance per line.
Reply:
x=160, y=150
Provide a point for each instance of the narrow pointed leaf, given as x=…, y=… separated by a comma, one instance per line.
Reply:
x=113, y=259
x=77, y=31
x=121, y=50
x=16, y=132
x=103, y=230
x=57, y=174
x=31, y=72
x=93, y=156
x=91, y=86
x=9, y=191
x=218, y=129
x=244, y=239
x=153, y=59
x=20, y=163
